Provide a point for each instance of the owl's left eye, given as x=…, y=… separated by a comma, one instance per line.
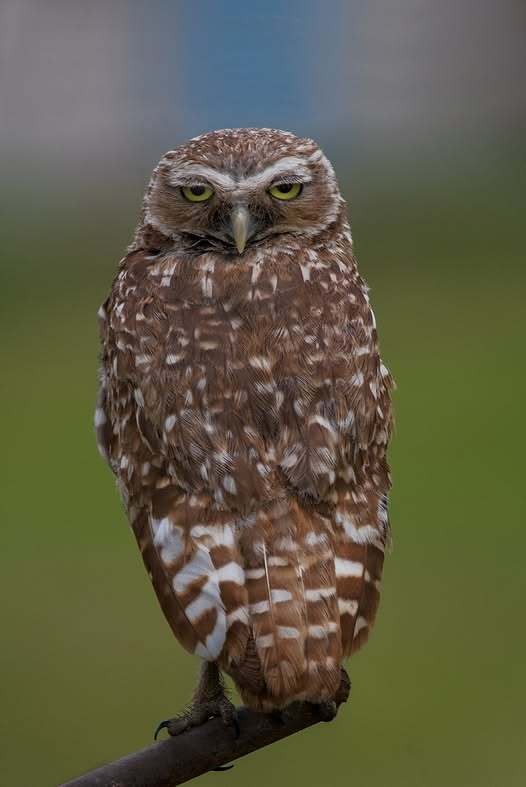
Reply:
x=198, y=193
x=285, y=190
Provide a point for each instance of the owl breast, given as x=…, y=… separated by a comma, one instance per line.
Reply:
x=254, y=376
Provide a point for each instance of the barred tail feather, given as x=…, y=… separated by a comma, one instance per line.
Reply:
x=323, y=649
x=275, y=599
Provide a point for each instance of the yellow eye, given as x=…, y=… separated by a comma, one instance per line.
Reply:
x=197, y=193
x=286, y=190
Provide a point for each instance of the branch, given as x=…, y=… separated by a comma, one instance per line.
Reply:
x=199, y=750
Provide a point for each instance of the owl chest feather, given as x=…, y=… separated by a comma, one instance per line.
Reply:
x=251, y=370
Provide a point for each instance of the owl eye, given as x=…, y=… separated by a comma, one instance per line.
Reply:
x=197, y=193
x=286, y=190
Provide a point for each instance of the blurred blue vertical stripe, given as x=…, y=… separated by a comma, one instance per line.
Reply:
x=246, y=64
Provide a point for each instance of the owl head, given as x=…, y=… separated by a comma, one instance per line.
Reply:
x=232, y=189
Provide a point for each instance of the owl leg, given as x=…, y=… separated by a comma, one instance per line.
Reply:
x=209, y=701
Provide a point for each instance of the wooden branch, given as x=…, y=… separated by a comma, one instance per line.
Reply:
x=202, y=749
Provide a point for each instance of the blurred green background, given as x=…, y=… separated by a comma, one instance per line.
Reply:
x=437, y=204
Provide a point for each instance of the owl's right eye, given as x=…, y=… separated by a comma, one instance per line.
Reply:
x=198, y=193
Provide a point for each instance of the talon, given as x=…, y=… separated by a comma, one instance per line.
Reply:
x=161, y=726
x=223, y=768
x=229, y=715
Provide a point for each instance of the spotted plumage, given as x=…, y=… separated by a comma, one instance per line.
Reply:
x=245, y=411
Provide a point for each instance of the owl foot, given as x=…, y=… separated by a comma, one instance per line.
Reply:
x=328, y=710
x=199, y=714
x=209, y=701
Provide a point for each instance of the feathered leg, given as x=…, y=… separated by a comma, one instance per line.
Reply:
x=209, y=700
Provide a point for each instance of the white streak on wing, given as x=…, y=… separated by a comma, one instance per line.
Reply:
x=239, y=614
x=367, y=534
x=320, y=632
x=361, y=623
x=286, y=544
x=209, y=598
x=198, y=606
x=278, y=596
x=259, y=607
x=265, y=641
x=274, y=560
x=168, y=538
x=231, y=572
x=313, y=539
x=199, y=566
x=214, y=642
x=220, y=535
x=317, y=632
x=348, y=568
x=317, y=594
x=254, y=573
x=288, y=632
x=346, y=607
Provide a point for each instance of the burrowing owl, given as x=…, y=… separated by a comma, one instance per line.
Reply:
x=245, y=411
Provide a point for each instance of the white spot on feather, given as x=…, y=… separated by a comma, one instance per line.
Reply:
x=173, y=358
x=260, y=362
x=100, y=417
x=170, y=423
x=357, y=379
x=229, y=484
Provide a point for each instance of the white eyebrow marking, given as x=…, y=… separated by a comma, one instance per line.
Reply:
x=287, y=165
x=284, y=165
x=202, y=172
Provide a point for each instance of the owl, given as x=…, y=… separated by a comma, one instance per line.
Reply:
x=245, y=412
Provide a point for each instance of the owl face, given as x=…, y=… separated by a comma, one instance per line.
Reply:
x=233, y=189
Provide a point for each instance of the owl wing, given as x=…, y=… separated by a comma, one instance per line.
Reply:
x=360, y=517
x=189, y=552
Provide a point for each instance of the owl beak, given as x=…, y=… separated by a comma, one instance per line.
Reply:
x=241, y=224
